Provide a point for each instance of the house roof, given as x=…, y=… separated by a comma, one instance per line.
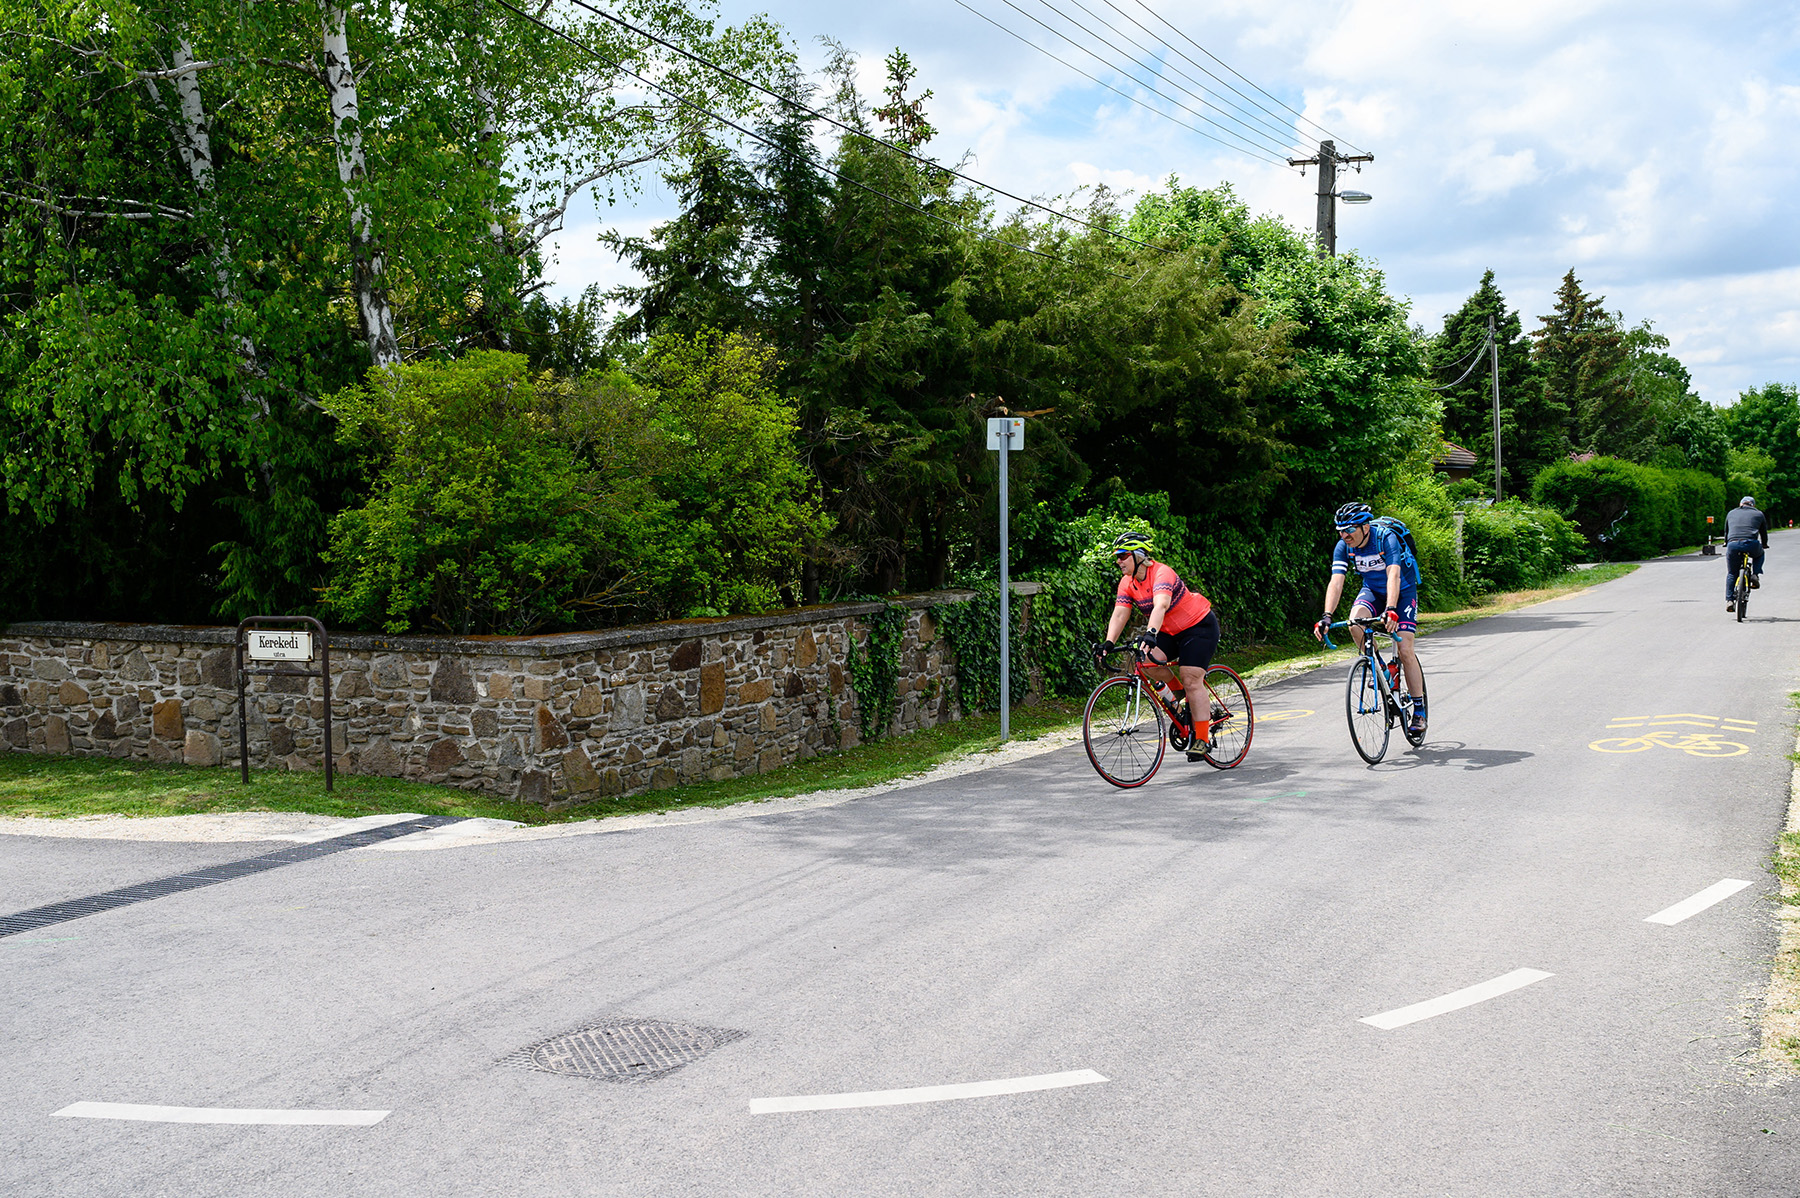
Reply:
x=1453, y=457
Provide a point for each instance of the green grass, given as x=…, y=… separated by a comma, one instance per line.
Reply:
x=54, y=787
x=36, y=785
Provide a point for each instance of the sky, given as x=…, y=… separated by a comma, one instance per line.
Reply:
x=1645, y=145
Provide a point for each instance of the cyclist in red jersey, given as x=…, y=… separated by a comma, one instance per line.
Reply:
x=1179, y=623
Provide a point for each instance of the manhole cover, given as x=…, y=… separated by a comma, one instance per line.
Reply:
x=623, y=1050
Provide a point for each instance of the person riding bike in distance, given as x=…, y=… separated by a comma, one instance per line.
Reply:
x=1377, y=555
x=1179, y=625
x=1744, y=525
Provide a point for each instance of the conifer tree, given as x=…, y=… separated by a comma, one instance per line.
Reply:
x=1469, y=406
x=1581, y=356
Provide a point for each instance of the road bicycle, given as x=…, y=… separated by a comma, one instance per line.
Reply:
x=1375, y=698
x=1741, y=590
x=1694, y=744
x=1128, y=725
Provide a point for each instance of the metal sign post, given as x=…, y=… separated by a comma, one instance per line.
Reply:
x=1005, y=433
x=273, y=645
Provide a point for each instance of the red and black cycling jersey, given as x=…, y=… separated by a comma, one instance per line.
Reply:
x=1187, y=606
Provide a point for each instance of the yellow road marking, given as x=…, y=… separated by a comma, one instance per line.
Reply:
x=1291, y=713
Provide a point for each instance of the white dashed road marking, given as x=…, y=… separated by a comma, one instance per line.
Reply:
x=1716, y=893
x=1005, y=1085
x=1457, y=1001
x=208, y=1114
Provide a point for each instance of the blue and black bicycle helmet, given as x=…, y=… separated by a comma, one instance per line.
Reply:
x=1353, y=514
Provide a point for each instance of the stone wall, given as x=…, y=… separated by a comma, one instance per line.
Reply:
x=548, y=719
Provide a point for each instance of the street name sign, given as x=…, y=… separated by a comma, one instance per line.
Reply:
x=267, y=645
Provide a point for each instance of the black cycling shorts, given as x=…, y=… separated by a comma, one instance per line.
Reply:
x=1194, y=645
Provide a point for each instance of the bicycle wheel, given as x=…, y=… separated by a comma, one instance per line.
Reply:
x=1743, y=594
x=1406, y=714
x=1233, y=717
x=1123, y=731
x=1366, y=707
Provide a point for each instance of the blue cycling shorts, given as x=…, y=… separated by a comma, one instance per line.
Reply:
x=1408, y=607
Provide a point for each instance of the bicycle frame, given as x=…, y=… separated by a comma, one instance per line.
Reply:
x=1372, y=627
x=1141, y=667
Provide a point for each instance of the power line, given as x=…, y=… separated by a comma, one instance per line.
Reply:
x=1256, y=152
x=723, y=120
x=1485, y=342
x=848, y=129
x=1196, y=45
x=1273, y=120
x=1151, y=87
x=1280, y=146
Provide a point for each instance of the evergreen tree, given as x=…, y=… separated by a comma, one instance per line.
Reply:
x=1581, y=357
x=696, y=267
x=1469, y=405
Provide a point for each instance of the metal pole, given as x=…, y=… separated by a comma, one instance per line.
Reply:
x=243, y=717
x=1494, y=369
x=1005, y=596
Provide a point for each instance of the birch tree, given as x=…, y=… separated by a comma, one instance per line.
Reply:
x=212, y=215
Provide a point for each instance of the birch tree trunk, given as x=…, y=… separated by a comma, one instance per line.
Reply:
x=195, y=145
x=346, y=128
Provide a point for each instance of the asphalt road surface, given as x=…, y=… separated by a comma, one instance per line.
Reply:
x=1210, y=945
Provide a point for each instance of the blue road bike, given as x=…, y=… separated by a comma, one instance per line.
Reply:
x=1375, y=700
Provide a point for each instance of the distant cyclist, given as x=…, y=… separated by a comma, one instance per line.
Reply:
x=1377, y=555
x=1179, y=624
x=1746, y=531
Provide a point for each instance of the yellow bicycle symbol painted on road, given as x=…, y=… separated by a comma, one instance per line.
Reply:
x=1291, y=713
x=1662, y=734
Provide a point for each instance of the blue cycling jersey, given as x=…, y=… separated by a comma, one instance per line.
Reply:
x=1383, y=549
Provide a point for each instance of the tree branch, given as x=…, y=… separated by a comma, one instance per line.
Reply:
x=541, y=226
x=144, y=211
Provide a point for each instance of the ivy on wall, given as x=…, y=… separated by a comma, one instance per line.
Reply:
x=973, y=630
x=875, y=670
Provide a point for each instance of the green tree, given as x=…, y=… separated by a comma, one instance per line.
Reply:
x=1767, y=419
x=212, y=214
x=1582, y=358
x=1469, y=405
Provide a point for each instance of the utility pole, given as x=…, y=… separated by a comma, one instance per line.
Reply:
x=1327, y=161
x=1494, y=369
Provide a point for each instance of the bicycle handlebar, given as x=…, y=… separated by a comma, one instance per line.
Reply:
x=1371, y=623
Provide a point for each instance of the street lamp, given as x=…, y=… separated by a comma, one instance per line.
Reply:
x=1354, y=197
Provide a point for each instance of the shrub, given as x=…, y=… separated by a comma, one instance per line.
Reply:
x=1513, y=546
x=478, y=520
x=504, y=503
x=1423, y=502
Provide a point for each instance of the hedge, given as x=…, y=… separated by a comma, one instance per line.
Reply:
x=1630, y=511
x=1512, y=546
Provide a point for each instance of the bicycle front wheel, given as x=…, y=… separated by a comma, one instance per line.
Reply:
x=1415, y=740
x=1743, y=594
x=1366, y=707
x=1123, y=731
x=1233, y=717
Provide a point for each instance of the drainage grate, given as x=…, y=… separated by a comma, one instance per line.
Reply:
x=38, y=917
x=623, y=1049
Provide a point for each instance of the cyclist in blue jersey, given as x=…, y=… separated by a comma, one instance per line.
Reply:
x=1376, y=554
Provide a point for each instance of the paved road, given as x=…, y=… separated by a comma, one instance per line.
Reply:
x=1209, y=944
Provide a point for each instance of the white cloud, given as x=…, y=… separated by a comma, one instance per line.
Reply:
x=1087, y=175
